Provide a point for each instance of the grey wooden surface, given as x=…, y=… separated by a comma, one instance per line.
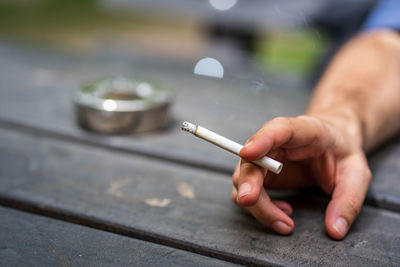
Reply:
x=113, y=191
x=37, y=86
x=385, y=165
x=32, y=240
x=42, y=99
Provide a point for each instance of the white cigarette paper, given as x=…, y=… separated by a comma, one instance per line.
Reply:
x=229, y=145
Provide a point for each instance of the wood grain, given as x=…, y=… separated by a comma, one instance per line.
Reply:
x=33, y=240
x=37, y=86
x=108, y=190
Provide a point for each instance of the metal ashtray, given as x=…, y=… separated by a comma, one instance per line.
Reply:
x=122, y=105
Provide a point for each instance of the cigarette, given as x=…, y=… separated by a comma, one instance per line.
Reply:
x=229, y=145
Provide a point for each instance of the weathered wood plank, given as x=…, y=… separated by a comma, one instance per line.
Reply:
x=385, y=165
x=116, y=191
x=40, y=102
x=32, y=240
x=43, y=99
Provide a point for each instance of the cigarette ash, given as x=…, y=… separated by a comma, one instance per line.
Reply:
x=185, y=190
x=116, y=187
x=157, y=202
x=189, y=127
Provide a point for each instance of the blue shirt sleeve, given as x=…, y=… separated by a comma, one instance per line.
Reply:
x=386, y=14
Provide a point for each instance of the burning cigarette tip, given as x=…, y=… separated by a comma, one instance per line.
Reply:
x=189, y=127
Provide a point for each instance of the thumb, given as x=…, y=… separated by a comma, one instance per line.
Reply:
x=352, y=181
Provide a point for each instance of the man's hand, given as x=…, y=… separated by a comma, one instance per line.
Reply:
x=314, y=152
x=354, y=109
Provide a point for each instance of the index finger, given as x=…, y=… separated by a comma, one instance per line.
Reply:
x=290, y=133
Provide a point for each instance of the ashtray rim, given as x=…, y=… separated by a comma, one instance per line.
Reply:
x=160, y=97
x=115, y=116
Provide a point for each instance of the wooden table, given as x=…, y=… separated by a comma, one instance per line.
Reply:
x=70, y=197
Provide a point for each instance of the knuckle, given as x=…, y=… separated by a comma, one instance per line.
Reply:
x=368, y=175
x=233, y=196
x=353, y=207
x=235, y=179
x=248, y=172
x=235, y=175
x=246, y=168
x=281, y=120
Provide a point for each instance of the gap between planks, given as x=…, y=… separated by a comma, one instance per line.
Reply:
x=149, y=153
x=96, y=223
x=93, y=142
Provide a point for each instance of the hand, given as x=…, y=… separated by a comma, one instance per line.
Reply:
x=323, y=151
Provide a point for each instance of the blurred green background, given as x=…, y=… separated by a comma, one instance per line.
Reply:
x=82, y=26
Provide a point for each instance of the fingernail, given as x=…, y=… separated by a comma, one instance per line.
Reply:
x=244, y=190
x=281, y=227
x=341, y=226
